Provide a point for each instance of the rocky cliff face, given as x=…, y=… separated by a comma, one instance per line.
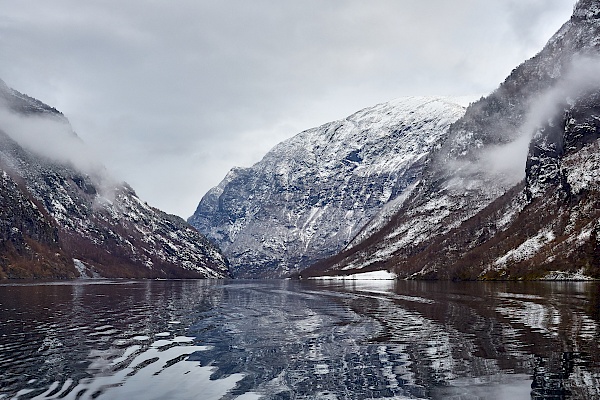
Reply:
x=312, y=194
x=64, y=217
x=512, y=193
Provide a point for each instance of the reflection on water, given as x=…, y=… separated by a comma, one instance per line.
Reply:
x=299, y=340
x=104, y=339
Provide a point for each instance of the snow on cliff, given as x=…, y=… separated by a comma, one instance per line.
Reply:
x=310, y=195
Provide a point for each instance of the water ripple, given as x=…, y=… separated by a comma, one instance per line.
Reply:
x=298, y=340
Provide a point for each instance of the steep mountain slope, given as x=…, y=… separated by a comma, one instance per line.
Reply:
x=62, y=216
x=512, y=192
x=311, y=195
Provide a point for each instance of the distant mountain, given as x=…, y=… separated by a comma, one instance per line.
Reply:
x=62, y=216
x=514, y=191
x=311, y=195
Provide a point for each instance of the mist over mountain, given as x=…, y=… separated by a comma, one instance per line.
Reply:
x=512, y=192
x=64, y=216
x=505, y=190
x=422, y=187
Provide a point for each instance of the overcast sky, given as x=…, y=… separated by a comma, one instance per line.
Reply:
x=173, y=94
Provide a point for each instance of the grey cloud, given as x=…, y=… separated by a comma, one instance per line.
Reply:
x=172, y=95
x=536, y=20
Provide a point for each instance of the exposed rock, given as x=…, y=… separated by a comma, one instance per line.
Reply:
x=513, y=191
x=312, y=194
x=56, y=208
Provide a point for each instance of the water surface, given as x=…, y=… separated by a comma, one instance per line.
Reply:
x=299, y=340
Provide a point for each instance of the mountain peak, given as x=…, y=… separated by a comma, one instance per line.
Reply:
x=311, y=194
x=587, y=9
x=472, y=216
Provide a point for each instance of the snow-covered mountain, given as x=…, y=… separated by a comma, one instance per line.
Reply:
x=62, y=216
x=311, y=195
x=513, y=191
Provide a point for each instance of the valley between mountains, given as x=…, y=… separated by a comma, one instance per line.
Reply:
x=506, y=188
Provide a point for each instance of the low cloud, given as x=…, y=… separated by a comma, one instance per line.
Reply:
x=582, y=78
x=51, y=137
x=507, y=161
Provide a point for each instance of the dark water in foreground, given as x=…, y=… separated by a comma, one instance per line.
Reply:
x=299, y=340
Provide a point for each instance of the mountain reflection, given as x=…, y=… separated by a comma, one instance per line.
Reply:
x=300, y=340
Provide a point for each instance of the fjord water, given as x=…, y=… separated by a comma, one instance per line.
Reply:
x=299, y=340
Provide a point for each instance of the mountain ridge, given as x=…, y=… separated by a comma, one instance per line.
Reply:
x=311, y=194
x=64, y=217
x=467, y=221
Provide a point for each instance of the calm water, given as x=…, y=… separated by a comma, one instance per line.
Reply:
x=299, y=340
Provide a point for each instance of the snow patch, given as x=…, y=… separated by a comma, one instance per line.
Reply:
x=567, y=276
x=583, y=171
x=527, y=249
x=367, y=276
x=85, y=271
